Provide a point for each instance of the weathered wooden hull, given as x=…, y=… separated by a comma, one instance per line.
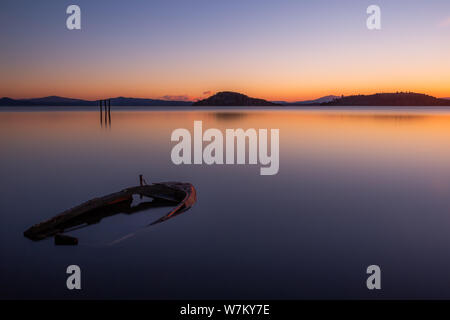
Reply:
x=182, y=195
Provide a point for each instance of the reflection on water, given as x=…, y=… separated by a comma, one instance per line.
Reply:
x=107, y=115
x=229, y=116
x=355, y=188
x=381, y=117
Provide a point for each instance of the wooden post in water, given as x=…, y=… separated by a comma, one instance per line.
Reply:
x=109, y=112
x=101, y=111
x=106, y=113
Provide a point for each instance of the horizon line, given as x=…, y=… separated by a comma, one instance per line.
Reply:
x=212, y=94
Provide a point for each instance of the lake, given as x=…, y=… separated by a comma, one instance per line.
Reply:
x=355, y=187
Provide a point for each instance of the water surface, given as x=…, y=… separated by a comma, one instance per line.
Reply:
x=355, y=187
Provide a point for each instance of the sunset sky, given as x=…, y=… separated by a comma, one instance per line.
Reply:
x=179, y=49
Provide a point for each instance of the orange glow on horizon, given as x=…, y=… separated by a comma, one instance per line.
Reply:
x=288, y=78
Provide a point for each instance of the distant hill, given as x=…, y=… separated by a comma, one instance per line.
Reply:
x=9, y=102
x=310, y=102
x=228, y=98
x=61, y=101
x=389, y=99
x=121, y=101
x=57, y=101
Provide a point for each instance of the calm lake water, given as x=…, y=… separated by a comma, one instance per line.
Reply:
x=355, y=188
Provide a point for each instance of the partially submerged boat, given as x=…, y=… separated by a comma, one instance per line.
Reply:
x=178, y=194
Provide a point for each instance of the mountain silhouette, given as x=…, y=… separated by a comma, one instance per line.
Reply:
x=61, y=101
x=309, y=102
x=228, y=98
x=389, y=99
x=122, y=101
